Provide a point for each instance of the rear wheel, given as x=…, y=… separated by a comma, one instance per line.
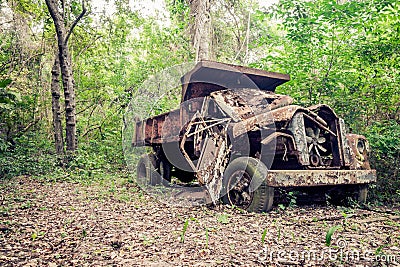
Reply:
x=146, y=170
x=184, y=176
x=245, y=187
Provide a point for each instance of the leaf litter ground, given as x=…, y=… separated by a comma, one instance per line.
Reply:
x=107, y=223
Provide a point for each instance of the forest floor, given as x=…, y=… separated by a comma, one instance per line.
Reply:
x=112, y=223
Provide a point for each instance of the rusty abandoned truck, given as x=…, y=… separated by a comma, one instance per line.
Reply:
x=234, y=135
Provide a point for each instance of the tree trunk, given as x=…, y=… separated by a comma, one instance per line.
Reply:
x=69, y=98
x=66, y=70
x=201, y=28
x=55, y=106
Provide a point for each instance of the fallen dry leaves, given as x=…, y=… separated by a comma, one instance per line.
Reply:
x=115, y=224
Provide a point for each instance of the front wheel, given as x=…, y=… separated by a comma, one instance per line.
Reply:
x=244, y=185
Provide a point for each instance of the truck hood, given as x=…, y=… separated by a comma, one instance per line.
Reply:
x=286, y=113
x=244, y=103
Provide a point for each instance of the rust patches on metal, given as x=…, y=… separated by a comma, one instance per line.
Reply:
x=301, y=178
x=359, y=147
x=208, y=76
x=347, y=153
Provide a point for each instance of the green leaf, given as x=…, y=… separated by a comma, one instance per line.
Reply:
x=4, y=83
x=207, y=237
x=185, y=226
x=34, y=236
x=223, y=218
x=329, y=234
x=263, y=235
x=5, y=106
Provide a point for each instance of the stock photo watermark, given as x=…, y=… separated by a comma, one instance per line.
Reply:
x=341, y=253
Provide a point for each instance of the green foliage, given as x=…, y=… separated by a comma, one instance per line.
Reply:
x=8, y=99
x=384, y=141
x=223, y=218
x=263, y=235
x=112, y=56
x=335, y=57
x=185, y=226
x=30, y=155
x=344, y=55
x=329, y=233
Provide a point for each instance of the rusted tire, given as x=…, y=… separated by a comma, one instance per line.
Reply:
x=146, y=170
x=348, y=195
x=183, y=176
x=164, y=169
x=244, y=185
x=362, y=193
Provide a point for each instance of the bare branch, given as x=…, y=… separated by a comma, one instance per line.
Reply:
x=76, y=22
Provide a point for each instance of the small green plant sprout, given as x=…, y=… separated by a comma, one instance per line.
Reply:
x=84, y=232
x=223, y=218
x=329, y=233
x=279, y=233
x=112, y=188
x=344, y=214
x=146, y=241
x=34, y=236
x=379, y=250
x=207, y=237
x=292, y=199
x=263, y=235
x=185, y=226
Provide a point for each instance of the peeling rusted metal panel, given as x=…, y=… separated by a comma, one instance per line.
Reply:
x=360, y=160
x=252, y=124
x=286, y=113
x=346, y=150
x=294, y=178
x=298, y=130
x=323, y=108
x=210, y=76
x=247, y=102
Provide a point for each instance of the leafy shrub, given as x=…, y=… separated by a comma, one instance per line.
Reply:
x=384, y=139
x=31, y=155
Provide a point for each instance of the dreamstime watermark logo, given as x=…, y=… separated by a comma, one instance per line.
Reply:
x=174, y=127
x=341, y=253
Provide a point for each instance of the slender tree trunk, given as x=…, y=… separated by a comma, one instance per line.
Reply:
x=55, y=106
x=201, y=28
x=69, y=98
x=66, y=69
